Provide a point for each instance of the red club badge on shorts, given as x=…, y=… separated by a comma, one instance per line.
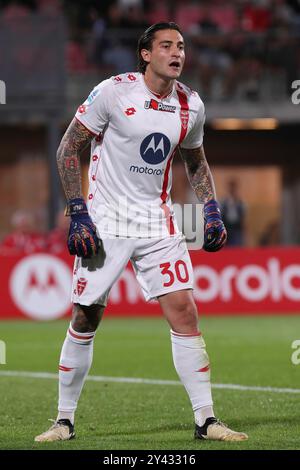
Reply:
x=81, y=285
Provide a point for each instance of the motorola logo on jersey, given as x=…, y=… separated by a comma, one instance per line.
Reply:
x=155, y=148
x=146, y=170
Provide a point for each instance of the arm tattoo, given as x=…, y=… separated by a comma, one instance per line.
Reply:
x=76, y=138
x=199, y=174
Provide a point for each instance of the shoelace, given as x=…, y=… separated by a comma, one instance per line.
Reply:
x=54, y=425
x=220, y=423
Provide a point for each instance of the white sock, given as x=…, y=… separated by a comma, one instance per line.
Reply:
x=202, y=414
x=75, y=362
x=192, y=365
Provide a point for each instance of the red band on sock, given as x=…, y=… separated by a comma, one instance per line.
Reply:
x=204, y=369
x=80, y=337
x=65, y=369
x=183, y=335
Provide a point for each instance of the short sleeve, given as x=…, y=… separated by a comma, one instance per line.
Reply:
x=94, y=113
x=194, y=137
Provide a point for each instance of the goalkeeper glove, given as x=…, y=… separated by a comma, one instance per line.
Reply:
x=82, y=239
x=215, y=234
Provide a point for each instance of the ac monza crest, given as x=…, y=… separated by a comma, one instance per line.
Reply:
x=184, y=117
x=81, y=285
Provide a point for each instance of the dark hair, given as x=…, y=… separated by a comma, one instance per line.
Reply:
x=146, y=40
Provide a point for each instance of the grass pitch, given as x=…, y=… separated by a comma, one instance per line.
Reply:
x=250, y=351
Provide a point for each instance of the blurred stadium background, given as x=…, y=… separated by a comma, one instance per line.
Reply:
x=243, y=57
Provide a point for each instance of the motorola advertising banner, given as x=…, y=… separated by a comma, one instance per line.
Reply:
x=231, y=282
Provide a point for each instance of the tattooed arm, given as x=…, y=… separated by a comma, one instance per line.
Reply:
x=82, y=240
x=203, y=184
x=199, y=174
x=76, y=139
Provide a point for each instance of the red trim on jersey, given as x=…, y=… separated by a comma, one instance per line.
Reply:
x=93, y=198
x=164, y=195
x=95, y=175
x=184, y=114
x=92, y=132
x=169, y=218
x=155, y=94
x=80, y=337
x=160, y=97
x=184, y=117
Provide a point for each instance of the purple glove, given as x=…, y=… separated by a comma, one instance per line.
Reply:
x=215, y=234
x=82, y=239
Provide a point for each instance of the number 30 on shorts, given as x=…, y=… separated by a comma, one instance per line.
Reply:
x=179, y=269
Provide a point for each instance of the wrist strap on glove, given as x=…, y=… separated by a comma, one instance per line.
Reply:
x=211, y=211
x=76, y=206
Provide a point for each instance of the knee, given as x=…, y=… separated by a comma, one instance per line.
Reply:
x=86, y=318
x=189, y=312
x=186, y=317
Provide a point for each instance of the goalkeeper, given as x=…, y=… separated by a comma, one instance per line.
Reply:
x=135, y=122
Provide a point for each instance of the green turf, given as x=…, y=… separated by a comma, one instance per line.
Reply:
x=243, y=350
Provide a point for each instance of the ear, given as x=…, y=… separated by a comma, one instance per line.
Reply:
x=146, y=55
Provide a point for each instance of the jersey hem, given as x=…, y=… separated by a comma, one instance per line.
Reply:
x=142, y=237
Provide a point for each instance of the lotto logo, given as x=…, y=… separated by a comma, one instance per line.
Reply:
x=130, y=111
x=82, y=109
x=117, y=79
x=131, y=77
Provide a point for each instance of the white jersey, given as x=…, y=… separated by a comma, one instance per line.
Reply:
x=136, y=136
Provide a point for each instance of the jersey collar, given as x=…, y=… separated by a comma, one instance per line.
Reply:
x=159, y=97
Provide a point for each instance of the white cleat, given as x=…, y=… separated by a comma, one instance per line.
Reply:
x=61, y=430
x=215, y=430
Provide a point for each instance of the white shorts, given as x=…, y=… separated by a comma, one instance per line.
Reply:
x=161, y=266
